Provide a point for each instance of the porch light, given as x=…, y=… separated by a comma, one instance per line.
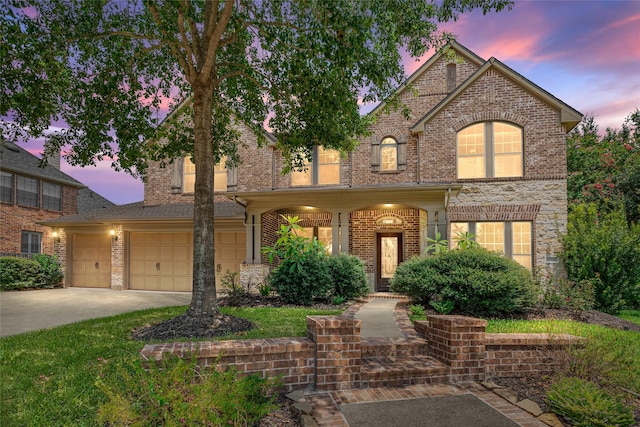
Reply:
x=113, y=234
x=56, y=235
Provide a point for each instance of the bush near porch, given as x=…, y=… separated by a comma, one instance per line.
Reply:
x=478, y=282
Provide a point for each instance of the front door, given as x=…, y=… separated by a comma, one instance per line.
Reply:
x=389, y=255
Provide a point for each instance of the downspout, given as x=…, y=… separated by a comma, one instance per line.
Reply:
x=418, y=157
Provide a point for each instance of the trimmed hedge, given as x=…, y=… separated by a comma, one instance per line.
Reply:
x=43, y=271
x=476, y=281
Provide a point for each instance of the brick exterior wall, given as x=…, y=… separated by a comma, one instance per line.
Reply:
x=117, y=259
x=14, y=219
x=364, y=226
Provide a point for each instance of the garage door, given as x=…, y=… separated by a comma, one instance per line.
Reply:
x=91, y=261
x=164, y=261
x=161, y=261
x=230, y=253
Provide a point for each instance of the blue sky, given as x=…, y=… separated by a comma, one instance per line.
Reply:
x=587, y=53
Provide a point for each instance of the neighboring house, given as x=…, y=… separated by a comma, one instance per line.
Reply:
x=483, y=152
x=30, y=194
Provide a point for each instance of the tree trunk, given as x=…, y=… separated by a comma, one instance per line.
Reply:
x=204, y=302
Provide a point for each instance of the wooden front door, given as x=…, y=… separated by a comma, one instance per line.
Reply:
x=389, y=255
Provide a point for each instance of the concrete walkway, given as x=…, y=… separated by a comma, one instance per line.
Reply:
x=378, y=320
x=23, y=311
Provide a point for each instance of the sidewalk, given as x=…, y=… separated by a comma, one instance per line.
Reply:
x=424, y=405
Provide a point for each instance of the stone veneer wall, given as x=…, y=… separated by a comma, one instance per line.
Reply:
x=550, y=220
x=330, y=358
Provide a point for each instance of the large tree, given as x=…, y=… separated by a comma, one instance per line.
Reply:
x=105, y=67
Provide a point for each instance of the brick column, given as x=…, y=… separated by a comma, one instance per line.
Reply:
x=338, y=351
x=117, y=259
x=459, y=342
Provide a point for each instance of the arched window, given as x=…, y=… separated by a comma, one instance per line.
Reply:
x=389, y=154
x=490, y=150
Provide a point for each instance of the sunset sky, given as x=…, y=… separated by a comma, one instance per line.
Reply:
x=586, y=53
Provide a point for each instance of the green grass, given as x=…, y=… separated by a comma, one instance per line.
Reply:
x=630, y=315
x=47, y=378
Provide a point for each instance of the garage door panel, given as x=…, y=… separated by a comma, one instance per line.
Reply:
x=91, y=264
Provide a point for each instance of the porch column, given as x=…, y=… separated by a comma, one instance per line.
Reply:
x=253, y=230
x=335, y=232
x=344, y=232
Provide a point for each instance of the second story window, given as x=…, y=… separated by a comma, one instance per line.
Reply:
x=189, y=176
x=27, y=193
x=51, y=196
x=389, y=155
x=490, y=150
x=324, y=170
x=6, y=187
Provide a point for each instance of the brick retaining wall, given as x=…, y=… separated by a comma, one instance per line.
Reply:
x=331, y=357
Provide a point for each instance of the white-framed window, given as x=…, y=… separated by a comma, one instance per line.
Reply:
x=490, y=150
x=27, y=191
x=512, y=238
x=51, y=196
x=389, y=154
x=31, y=242
x=189, y=176
x=323, y=170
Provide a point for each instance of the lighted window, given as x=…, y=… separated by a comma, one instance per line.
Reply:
x=189, y=176
x=490, y=150
x=6, y=187
x=323, y=234
x=51, y=196
x=323, y=170
x=389, y=155
x=27, y=193
x=511, y=238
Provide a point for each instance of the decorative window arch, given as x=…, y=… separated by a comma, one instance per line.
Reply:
x=490, y=150
x=388, y=154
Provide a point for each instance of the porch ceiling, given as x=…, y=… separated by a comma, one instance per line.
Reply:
x=423, y=196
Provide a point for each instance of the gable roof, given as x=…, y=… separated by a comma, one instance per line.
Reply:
x=454, y=45
x=569, y=116
x=14, y=158
x=89, y=200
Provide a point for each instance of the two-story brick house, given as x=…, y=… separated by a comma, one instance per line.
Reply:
x=482, y=152
x=30, y=194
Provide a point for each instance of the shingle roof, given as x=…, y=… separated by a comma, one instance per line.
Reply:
x=135, y=212
x=14, y=158
x=89, y=200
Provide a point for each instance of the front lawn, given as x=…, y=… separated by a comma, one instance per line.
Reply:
x=48, y=377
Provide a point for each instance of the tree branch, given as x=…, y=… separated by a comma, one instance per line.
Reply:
x=186, y=65
x=216, y=36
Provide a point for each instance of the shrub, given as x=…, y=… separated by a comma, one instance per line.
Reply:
x=475, y=280
x=18, y=273
x=562, y=293
x=50, y=268
x=349, y=276
x=180, y=393
x=302, y=280
x=604, y=249
x=584, y=404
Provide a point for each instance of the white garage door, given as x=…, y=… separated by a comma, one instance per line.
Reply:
x=164, y=261
x=91, y=261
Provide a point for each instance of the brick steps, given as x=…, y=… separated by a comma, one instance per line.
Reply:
x=393, y=347
x=402, y=371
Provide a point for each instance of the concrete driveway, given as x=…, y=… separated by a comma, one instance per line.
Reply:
x=23, y=311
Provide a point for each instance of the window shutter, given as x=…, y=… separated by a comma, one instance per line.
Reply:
x=176, y=177
x=375, y=154
x=232, y=179
x=402, y=153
